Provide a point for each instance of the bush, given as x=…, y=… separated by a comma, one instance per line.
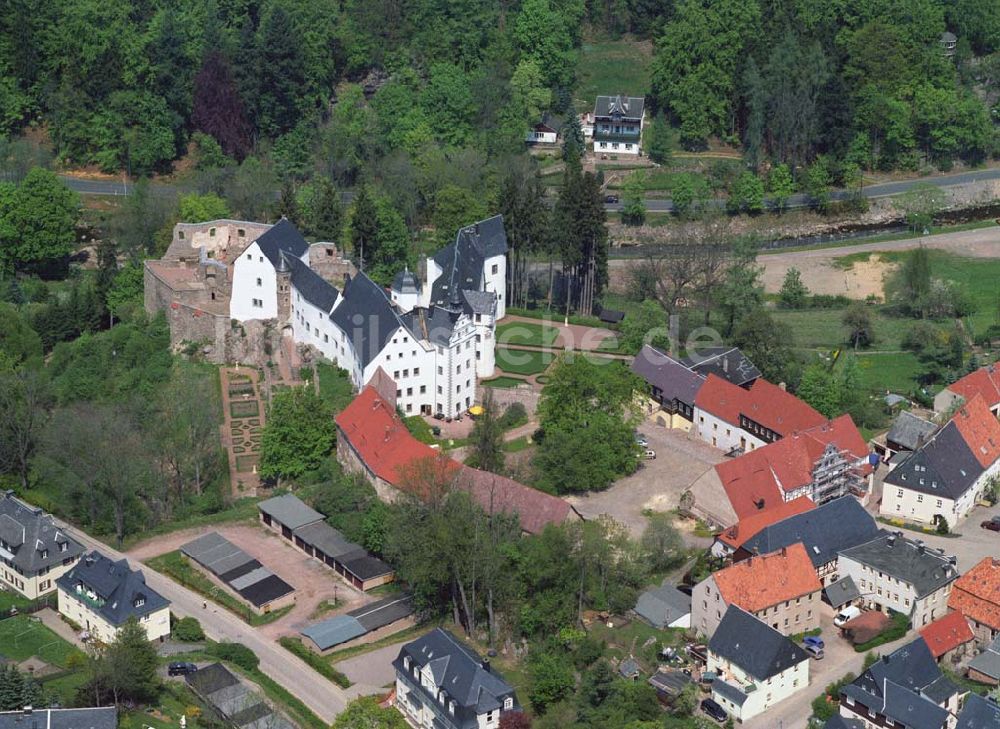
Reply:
x=188, y=630
x=514, y=416
x=237, y=654
x=896, y=630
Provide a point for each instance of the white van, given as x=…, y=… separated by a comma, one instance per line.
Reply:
x=848, y=613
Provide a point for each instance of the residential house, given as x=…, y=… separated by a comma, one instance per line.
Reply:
x=729, y=363
x=984, y=382
x=824, y=531
x=979, y=712
x=780, y=588
x=618, y=125
x=373, y=440
x=307, y=529
x=908, y=433
x=976, y=595
x=947, y=475
x=442, y=684
x=755, y=665
x=902, y=575
x=672, y=387
x=587, y=125
x=823, y=462
x=34, y=551
x=902, y=689
x=730, y=540
x=841, y=593
x=542, y=132
x=949, y=637
x=985, y=667
x=100, y=595
x=103, y=717
x=665, y=607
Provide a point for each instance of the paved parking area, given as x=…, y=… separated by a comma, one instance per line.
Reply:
x=657, y=485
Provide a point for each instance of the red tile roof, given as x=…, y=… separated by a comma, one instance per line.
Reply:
x=759, y=480
x=980, y=430
x=764, y=403
x=722, y=399
x=976, y=594
x=374, y=430
x=747, y=528
x=984, y=381
x=760, y=582
x=946, y=633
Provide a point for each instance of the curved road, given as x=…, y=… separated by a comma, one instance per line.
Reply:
x=323, y=697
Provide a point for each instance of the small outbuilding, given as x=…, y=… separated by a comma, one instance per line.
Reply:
x=665, y=607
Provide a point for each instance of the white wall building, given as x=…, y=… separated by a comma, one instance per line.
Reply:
x=34, y=551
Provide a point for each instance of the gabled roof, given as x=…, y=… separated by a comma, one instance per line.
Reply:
x=628, y=107
x=663, y=606
x=988, y=662
x=980, y=430
x=33, y=540
x=729, y=363
x=757, y=648
x=124, y=592
x=764, y=403
x=823, y=531
x=979, y=713
x=760, y=582
x=841, y=592
x=984, y=382
x=366, y=316
x=462, y=261
x=946, y=633
x=976, y=594
x=909, y=431
x=313, y=288
x=839, y=722
x=406, y=282
x=945, y=466
x=105, y=717
x=289, y=510
x=281, y=237
x=905, y=560
x=672, y=378
x=747, y=528
x=475, y=687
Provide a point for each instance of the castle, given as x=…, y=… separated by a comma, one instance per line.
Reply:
x=242, y=291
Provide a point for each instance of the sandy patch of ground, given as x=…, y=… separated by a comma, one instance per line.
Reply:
x=821, y=276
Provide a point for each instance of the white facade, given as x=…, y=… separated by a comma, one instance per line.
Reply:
x=38, y=584
x=603, y=147
x=722, y=434
x=255, y=286
x=541, y=136
x=901, y=502
x=422, y=713
x=765, y=694
x=882, y=591
x=75, y=607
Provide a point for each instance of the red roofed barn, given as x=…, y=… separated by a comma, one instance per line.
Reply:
x=948, y=637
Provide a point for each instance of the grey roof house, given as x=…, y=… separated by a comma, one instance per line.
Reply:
x=34, y=551
x=665, y=607
x=908, y=432
x=979, y=712
x=672, y=384
x=442, y=683
x=729, y=363
x=906, y=687
x=985, y=667
x=102, y=717
x=233, y=700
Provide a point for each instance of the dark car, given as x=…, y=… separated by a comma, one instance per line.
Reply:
x=992, y=524
x=613, y=199
x=180, y=668
x=813, y=640
x=713, y=709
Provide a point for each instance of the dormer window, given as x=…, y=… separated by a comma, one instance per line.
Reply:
x=63, y=546
x=406, y=663
x=45, y=554
x=451, y=707
x=139, y=601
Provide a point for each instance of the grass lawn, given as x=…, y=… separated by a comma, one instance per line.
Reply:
x=419, y=429
x=335, y=386
x=519, y=332
x=175, y=699
x=824, y=328
x=503, y=382
x=522, y=362
x=894, y=372
x=611, y=67
x=518, y=444
x=22, y=637
x=10, y=599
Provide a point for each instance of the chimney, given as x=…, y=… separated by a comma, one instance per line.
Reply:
x=784, y=551
x=890, y=540
x=27, y=710
x=486, y=665
x=782, y=386
x=885, y=659
x=725, y=365
x=921, y=549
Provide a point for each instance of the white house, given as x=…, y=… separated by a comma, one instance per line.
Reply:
x=899, y=574
x=756, y=666
x=541, y=133
x=34, y=551
x=100, y=595
x=618, y=125
x=442, y=684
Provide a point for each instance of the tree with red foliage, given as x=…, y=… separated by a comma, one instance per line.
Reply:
x=515, y=720
x=217, y=107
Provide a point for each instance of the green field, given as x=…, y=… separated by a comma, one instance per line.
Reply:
x=520, y=332
x=612, y=67
x=824, y=328
x=23, y=636
x=522, y=361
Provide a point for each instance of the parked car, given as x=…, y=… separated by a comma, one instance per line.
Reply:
x=992, y=524
x=713, y=709
x=641, y=440
x=813, y=640
x=650, y=454
x=611, y=199
x=848, y=613
x=181, y=668
x=814, y=651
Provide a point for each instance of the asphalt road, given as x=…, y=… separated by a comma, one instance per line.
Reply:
x=323, y=697
x=121, y=188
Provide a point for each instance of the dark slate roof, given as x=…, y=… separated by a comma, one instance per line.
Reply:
x=435, y=324
x=729, y=363
x=116, y=584
x=266, y=590
x=325, y=538
x=628, y=107
x=903, y=559
x=979, y=713
x=244, y=569
x=314, y=289
x=105, y=717
x=462, y=261
x=672, y=378
x=366, y=316
x=290, y=510
x=754, y=646
x=842, y=592
x=824, y=531
x=944, y=466
x=283, y=236
x=629, y=667
x=909, y=431
x=611, y=316
x=334, y=631
x=669, y=682
x=839, y=722
x=457, y=670
x=479, y=302
x=728, y=691
x=211, y=678
x=365, y=566
x=30, y=533
x=988, y=662
x=406, y=282
x=662, y=606
x=383, y=612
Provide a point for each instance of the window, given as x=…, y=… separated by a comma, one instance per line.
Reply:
x=261, y=259
x=439, y=392
x=939, y=502
x=211, y=232
x=508, y=704
x=326, y=337
x=258, y=303
x=259, y=282
x=496, y=269
x=920, y=498
x=180, y=234
x=249, y=257
x=241, y=233
x=440, y=370
x=399, y=393
x=406, y=373
x=899, y=493
x=423, y=389
x=416, y=371
x=409, y=391
x=140, y=601
x=395, y=375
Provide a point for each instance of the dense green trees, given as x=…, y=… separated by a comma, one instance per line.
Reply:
x=365, y=713
x=298, y=434
x=37, y=220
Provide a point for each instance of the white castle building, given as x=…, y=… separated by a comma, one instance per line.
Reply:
x=435, y=337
